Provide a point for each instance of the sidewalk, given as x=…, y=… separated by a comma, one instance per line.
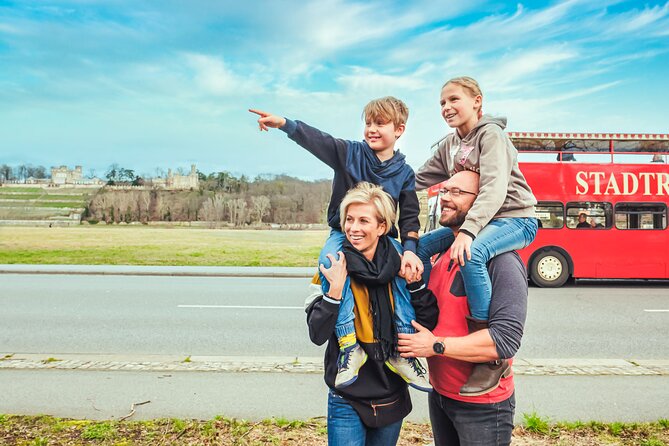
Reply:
x=309, y=365
x=205, y=271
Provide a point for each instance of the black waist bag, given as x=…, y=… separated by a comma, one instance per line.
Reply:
x=385, y=411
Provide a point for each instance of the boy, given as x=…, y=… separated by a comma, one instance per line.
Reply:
x=373, y=160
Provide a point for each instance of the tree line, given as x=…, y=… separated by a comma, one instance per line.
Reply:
x=21, y=172
x=222, y=198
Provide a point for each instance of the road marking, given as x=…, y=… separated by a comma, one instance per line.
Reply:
x=656, y=311
x=242, y=307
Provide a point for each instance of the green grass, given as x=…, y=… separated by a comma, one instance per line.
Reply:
x=22, y=189
x=147, y=245
x=536, y=424
x=46, y=430
x=99, y=431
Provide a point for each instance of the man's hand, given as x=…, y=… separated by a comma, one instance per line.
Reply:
x=418, y=344
x=412, y=267
x=336, y=274
x=267, y=120
x=460, y=247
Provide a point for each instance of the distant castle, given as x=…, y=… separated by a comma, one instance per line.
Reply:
x=176, y=181
x=62, y=176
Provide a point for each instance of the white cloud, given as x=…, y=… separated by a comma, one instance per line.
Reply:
x=215, y=77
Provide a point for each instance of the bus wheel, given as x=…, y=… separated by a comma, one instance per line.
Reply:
x=549, y=269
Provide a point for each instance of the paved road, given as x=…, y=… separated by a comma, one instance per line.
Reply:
x=139, y=316
x=105, y=395
x=264, y=317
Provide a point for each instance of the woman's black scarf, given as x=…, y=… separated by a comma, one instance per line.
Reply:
x=376, y=276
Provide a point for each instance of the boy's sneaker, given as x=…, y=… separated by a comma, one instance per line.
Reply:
x=412, y=370
x=350, y=360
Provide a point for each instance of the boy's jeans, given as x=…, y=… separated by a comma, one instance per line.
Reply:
x=500, y=235
x=404, y=311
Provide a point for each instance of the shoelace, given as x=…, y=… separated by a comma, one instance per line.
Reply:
x=418, y=367
x=345, y=359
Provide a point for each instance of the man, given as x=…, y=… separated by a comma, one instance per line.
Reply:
x=582, y=221
x=451, y=351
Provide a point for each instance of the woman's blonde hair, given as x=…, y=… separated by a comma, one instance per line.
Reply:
x=368, y=193
x=469, y=85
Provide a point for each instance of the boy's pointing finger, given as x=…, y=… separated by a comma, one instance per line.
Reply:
x=259, y=112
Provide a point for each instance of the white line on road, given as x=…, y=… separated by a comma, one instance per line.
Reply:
x=243, y=307
x=656, y=311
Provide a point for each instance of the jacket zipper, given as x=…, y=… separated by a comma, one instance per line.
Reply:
x=374, y=406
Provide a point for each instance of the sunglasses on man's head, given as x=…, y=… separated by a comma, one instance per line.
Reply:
x=454, y=191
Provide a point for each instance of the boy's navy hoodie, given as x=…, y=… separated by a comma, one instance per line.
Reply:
x=355, y=161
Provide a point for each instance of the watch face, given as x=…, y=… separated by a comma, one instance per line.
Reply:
x=438, y=348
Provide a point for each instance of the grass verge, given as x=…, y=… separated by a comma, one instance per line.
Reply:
x=146, y=245
x=50, y=431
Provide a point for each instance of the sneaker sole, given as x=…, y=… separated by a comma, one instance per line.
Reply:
x=411, y=384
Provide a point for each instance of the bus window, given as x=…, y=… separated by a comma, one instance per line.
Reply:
x=641, y=146
x=598, y=214
x=641, y=216
x=550, y=214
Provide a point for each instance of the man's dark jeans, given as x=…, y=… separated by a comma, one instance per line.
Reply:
x=455, y=423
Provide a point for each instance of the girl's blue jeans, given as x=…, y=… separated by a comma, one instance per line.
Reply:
x=404, y=311
x=500, y=235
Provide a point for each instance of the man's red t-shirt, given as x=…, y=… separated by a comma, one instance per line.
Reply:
x=448, y=375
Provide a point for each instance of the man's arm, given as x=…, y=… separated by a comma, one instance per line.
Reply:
x=508, y=310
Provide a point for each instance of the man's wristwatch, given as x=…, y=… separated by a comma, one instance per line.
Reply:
x=438, y=347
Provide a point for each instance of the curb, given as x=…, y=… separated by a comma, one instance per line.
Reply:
x=176, y=271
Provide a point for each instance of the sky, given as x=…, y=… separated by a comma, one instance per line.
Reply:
x=165, y=84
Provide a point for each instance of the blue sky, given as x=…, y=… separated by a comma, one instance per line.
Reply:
x=160, y=84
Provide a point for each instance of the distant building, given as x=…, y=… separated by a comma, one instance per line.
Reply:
x=176, y=181
x=63, y=175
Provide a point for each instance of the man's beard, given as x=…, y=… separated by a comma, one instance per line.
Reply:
x=453, y=221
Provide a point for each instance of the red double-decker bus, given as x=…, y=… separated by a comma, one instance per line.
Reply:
x=602, y=205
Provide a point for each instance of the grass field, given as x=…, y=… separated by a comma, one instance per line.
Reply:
x=147, y=245
x=27, y=203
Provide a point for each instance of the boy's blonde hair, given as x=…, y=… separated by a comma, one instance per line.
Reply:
x=469, y=85
x=368, y=193
x=388, y=108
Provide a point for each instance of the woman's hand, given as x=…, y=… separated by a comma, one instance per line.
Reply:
x=336, y=274
x=418, y=344
x=267, y=120
x=460, y=247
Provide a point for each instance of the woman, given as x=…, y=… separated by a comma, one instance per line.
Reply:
x=370, y=411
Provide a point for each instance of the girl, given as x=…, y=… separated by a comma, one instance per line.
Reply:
x=500, y=220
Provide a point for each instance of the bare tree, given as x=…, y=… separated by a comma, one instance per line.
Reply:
x=240, y=212
x=261, y=206
x=213, y=208
x=6, y=173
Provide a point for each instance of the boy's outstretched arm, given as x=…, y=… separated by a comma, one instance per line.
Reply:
x=267, y=120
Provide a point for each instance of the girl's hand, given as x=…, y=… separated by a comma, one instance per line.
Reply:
x=267, y=120
x=336, y=274
x=460, y=247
